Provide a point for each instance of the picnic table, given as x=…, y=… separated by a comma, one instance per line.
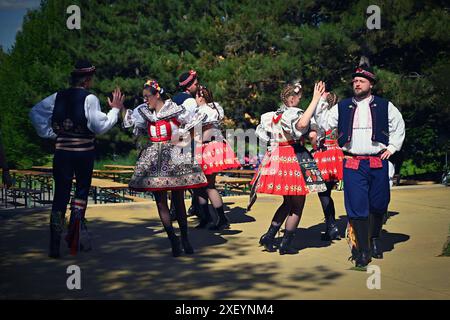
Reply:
x=114, y=174
x=42, y=168
x=29, y=185
x=240, y=173
x=118, y=166
x=233, y=184
x=107, y=190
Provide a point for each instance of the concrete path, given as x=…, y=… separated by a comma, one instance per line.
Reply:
x=131, y=258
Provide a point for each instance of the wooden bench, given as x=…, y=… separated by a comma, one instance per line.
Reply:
x=240, y=173
x=112, y=174
x=107, y=189
x=21, y=193
x=118, y=166
x=235, y=184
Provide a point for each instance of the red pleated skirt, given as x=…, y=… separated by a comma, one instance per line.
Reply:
x=330, y=161
x=216, y=156
x=281, y=174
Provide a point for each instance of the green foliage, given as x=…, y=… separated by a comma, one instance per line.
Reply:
x=245, y=51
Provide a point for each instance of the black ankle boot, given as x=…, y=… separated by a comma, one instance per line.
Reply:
x=286, y=243
x=361, y=228
x=185, y=240
x=375, y=226
x=332, y=231
x=363, y=259
x=221, y=225
x=187, y=245
x=174, y=241
x=223, y=222
x=375, y=247
x=205, y=217
x=56, y=228
x=268, y=239
x=176, y=246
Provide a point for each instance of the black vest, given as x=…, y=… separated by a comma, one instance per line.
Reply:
x=181, y=97
x=69, y=119
x=380, y=123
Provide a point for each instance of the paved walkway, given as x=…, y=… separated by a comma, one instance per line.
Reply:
x=131, y=258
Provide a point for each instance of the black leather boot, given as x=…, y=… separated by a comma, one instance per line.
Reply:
x=375, y=247
x=332, y=231
x=56, y=228
x=375, y=225
x=286, y=243
x=205, y=217
x=268, y=239
x=223, y=222
x=185, y=240
x=361, y=228
x=176, y=246
x=363, y=259
x=85, y=237
x=187, y=247
x=174, y=241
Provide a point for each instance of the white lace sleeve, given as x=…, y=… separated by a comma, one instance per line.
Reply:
x=134, y=119
x=289, y=120
x=263, y=130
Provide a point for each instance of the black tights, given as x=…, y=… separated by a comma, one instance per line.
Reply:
x=291, y=208
x=180, y=209
x=209, y=192
x=327, y=202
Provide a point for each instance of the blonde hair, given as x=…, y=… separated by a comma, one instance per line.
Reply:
x=290, y=90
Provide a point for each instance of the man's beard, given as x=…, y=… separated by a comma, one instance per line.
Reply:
x=361, y=94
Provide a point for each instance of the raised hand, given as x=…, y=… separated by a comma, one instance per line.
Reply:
x=319, y=89
x=117, y=100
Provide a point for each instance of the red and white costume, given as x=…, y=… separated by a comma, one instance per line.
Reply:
x=281, y=172
x=163, y=165
x=214, y=154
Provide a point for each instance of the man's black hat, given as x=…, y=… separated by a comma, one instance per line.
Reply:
x=366, y=72
x=83, y=68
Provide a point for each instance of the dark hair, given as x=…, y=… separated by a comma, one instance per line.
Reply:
x=206, y=94
x=184, y=76
x=153, y=91
x=77, y=80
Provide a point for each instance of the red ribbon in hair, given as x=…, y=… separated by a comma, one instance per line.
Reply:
x=192, y=75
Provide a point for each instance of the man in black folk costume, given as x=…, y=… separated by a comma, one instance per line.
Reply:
x=73, y=117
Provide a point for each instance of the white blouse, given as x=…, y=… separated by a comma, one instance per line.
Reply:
x=281, y=127
x=213, y=113
x=139, y=116
x=97, y=121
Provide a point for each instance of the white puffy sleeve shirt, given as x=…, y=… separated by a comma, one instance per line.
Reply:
x=361, y=143
x=97, y=121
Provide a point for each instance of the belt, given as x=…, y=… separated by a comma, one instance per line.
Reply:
x=352, y=161
x=74, y=144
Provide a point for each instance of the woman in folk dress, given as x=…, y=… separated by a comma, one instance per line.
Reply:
x=214, y=155
x=164, y=165
x=288, y=169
